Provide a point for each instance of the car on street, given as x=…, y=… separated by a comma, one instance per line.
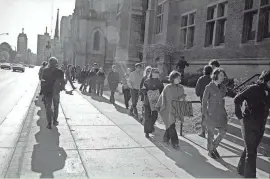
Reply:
x=18, y=67
x=31, y=66
x=5, y=66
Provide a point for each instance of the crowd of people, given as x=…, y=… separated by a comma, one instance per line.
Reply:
x=145, y=84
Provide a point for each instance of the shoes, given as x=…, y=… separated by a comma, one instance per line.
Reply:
x=49, y=126
x=216, y=153
x=55, y=123
x=202, y=135
x=212, y=155
x=147, y=135
x=175, y=146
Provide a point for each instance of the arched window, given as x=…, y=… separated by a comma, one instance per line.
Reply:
x=96, y=41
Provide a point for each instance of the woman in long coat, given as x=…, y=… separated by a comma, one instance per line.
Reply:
x=213, y=108
x=173, y=91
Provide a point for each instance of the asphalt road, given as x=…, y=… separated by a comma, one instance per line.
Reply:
x=17, y=91
x=13, y=85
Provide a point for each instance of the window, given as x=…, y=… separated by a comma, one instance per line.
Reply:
x=159, y=23
x=216, y=24
x=96, y=41
x=188, y=29
x=256, y=24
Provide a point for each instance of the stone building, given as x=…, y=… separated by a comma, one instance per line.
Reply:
x=90, y=42
x=7, y=54
x=234, y=32
x=42, y=42
x=129, y=21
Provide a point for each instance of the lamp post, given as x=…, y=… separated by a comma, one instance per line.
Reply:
x=4, y=34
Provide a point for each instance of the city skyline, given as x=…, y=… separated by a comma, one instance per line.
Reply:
x=32, y=16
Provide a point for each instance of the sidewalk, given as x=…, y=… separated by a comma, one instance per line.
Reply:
x=96, y=139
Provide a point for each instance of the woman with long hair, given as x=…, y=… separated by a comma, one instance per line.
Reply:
x=213, y=109
x=152, y=90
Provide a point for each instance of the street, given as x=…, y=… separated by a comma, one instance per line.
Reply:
x=95, y=139
x=16, y=93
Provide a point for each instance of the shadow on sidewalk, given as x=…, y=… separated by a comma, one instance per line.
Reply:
x=47, y=156
x=191, y=160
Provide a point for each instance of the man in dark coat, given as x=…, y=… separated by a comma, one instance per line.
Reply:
x=181, y=65
x=202, y=82
x=253, y=121
x=53, y=83
x=113, y=81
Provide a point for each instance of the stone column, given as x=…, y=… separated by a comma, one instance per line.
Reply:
x=149, y=29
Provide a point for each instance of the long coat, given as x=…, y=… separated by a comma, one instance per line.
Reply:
x=171, y=92
x=213, y=106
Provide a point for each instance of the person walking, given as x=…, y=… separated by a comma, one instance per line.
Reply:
x=181, y=65
x=113, y=81
x=125, y=88
x=213, y=109
x=253, y=121
x=134, y=82
x=92, y=81
x=152, y=90
x=44, y=64
x=100, y=81
x=69, y=76
x=53, y=83
x=202, y=82
x=172, y=91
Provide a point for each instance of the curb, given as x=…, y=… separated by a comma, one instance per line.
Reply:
x=15, y=161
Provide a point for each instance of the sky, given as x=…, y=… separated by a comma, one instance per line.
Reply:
x=33, y=16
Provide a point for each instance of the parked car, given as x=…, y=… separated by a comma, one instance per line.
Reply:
x=31, y=66
x=18, y=67
x=5, y=66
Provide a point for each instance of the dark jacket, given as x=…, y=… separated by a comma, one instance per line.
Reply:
x=202, y=82
x=100, y=77
x=49, y=77
x=151, y=84
x=257, y=103
x=113, y=80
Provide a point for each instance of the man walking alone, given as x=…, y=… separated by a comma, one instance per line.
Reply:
x=54, y=83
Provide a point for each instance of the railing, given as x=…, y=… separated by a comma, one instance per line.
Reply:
x=197, y=106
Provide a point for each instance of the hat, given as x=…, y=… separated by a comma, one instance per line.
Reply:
x=138, y=65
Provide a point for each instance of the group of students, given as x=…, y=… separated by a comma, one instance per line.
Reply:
x=211, y=88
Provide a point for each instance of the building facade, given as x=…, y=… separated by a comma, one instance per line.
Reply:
x=129, y=22
x=89, y=42
x=7, y=54
x=234, y=32
x=42, y=52
x=22, y=41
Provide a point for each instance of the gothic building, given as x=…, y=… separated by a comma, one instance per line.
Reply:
x=89, y=42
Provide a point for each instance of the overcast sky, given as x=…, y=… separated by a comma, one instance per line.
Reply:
x=33, y=16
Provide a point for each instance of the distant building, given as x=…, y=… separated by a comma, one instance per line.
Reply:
x=56, y=47
x=65, y=37
x=234, y=32
x=42, y=51
x=22, y=42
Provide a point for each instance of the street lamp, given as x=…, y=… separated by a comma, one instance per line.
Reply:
x=4, y=34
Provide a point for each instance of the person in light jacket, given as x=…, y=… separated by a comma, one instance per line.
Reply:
x=134, y=82
x=100, y=81
x=113, y=80
x=172, y=91
x=202, y=82
x=213, y=109
x=253, y=120
x=125, y=88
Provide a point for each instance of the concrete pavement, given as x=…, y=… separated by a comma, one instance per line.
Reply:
x=96, y=139
x=16, y=93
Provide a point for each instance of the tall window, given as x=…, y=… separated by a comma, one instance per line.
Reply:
x=160, y=13
x=256, y=23
x=96, y=41
x=216, y=24
x=188, y=29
